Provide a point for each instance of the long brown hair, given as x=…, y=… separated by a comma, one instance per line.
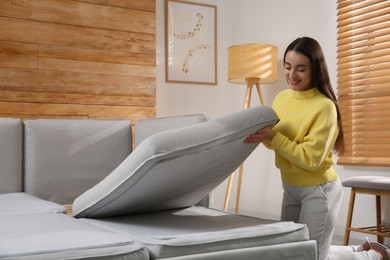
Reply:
x=320, y=77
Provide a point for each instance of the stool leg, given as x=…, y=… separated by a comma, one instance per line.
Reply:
x=380, y=239
x=349, y=217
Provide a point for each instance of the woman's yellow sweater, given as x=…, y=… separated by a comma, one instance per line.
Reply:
x=304, y=137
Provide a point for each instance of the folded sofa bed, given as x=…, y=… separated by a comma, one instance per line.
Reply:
x=147, y=206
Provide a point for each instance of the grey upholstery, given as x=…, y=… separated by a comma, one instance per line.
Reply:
x=306, y=250
x=150, y=126
x=198, y=230
x=168, y=170
x=65, y=157
x=58, y=236
x=368, y=182
x=11, y=164
x=22, y=203
x=176, y=168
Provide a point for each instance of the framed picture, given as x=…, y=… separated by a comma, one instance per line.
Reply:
x=190, y=42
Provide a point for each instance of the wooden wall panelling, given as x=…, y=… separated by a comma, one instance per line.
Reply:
x=18, y=30
x=146, y=5
x=18, y=55
x=80, y=14
x=82, y=58
x=96, y=55
x=51, y=110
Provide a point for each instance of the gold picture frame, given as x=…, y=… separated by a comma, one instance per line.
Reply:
x=190, y=42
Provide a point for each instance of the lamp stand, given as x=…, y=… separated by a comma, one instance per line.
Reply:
x=250, y=82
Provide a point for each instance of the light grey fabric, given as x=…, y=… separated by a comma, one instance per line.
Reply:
x=65, y=157
x=150, y=126
x=176, y=168
x=368, y=182
x=22, y=203
x=197, y=230
x=305, y=250
x=11, y=142
x=58, y=236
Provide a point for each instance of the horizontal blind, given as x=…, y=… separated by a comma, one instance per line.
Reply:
x=363, y=54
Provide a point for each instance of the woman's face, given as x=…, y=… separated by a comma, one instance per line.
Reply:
x=298, y=71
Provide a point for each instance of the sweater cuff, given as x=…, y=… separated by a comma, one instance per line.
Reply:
x=277, y=141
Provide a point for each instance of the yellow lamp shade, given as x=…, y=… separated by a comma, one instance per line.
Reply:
x=252, y=61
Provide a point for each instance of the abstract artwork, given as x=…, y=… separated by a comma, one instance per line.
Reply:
x=190, y=42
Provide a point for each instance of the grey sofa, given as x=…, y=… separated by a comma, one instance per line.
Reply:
x=142, y=203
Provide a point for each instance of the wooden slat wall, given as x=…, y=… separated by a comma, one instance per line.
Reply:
x=78, y=58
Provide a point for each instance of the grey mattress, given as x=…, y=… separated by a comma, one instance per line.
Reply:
x=198, y=230
x=146, y=127
x=305, y=250
x=176, y=168
x=22, y=203
x=58, y=236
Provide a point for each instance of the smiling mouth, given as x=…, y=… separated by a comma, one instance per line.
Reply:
x=293, y=82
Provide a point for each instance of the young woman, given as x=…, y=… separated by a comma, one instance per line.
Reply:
x=309, y=129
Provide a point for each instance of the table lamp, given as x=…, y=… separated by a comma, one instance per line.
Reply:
x=250, y=64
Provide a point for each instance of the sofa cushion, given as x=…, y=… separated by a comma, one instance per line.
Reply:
x=58, y=236
x=150, y=126
x=176, y=168
x=197, y=230
x=11, y=162
x=22, y=203
x=65, y=157
x=303, y=250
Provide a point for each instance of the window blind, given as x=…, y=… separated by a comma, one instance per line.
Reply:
x=363, y=48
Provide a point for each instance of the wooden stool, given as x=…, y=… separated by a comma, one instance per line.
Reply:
x=373, y=185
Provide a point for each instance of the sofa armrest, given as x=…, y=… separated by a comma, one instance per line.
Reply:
x=11, y=160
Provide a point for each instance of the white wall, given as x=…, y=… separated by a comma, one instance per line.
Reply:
x=276, y=22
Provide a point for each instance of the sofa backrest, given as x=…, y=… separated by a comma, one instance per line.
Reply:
x=65, y=157
x=11, y=159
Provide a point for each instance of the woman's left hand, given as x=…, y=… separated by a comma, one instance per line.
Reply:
x=261, y=135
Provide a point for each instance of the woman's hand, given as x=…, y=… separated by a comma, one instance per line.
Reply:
x=261, y=135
